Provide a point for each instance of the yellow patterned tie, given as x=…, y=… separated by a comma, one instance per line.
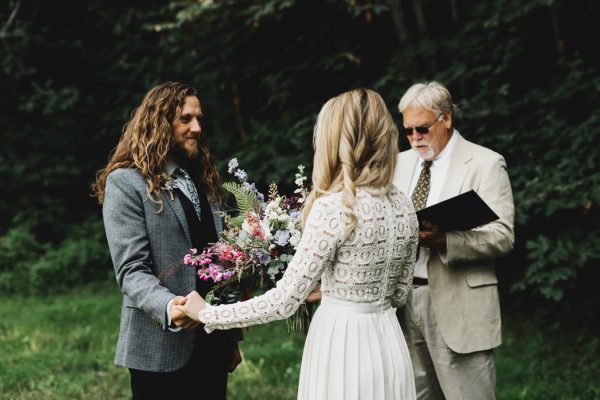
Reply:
x=421, y=192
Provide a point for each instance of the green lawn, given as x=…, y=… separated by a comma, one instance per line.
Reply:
x=61, y=347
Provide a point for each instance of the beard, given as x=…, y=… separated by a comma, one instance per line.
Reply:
x=426, y=153
x=186, y=150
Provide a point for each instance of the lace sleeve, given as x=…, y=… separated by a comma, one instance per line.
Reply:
x=410, y=236
x=321, y=238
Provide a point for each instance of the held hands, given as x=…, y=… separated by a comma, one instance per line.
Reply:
x=315, y=295
x=430, y=235
x=192, y=306
x=178, y=317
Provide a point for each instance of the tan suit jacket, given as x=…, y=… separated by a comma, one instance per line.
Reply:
x=462, y=279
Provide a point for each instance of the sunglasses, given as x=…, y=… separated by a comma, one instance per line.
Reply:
x=422, y=130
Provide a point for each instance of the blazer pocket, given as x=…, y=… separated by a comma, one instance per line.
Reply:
x=127, y=302
x=482, y=278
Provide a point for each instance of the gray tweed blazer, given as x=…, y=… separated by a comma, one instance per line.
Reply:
x=143, y=243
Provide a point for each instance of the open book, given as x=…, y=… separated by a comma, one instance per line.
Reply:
x=460, y=213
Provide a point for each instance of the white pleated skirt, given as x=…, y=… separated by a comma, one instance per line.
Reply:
x=355, y=351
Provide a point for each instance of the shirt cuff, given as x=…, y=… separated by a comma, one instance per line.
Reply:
x=170, y=326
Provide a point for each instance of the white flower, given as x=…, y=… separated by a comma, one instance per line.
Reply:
x=295, y=239
x=266, y=230
x=233, y=164
x=246, y=226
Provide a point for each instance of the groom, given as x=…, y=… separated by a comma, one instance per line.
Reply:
x=160, y=192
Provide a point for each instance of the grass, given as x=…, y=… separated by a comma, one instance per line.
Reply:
x=544, y=357
x=62, y=347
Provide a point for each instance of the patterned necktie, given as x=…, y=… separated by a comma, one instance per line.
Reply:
x=191, y=188
x=421, y=192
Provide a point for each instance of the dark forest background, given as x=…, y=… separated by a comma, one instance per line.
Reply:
x=526, y=76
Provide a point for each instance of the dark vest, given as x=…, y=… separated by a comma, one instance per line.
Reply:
x=202, y=232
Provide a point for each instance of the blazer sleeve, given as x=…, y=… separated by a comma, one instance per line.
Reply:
x=125, y=225
x=496, y=238
x=320, y=240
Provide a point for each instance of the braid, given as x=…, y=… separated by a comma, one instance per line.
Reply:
x=356, y=143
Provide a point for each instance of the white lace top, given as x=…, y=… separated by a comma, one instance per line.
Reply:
x=374, y=264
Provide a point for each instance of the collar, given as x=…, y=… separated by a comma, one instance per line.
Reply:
x=171, y=166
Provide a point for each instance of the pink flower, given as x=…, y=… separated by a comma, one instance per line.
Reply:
x=254, y=225
x=187, y=259
x=205, y=261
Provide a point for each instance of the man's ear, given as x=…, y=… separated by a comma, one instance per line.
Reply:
x=448, y=117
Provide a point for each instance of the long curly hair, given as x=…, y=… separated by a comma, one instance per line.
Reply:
x=147, y=140
x=356, y=143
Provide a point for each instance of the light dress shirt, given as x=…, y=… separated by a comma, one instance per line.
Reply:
x=439, y=170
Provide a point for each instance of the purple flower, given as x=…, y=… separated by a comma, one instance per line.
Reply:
x=263, y=257
x=282, y=238
x=241, y=175
x=252, y=186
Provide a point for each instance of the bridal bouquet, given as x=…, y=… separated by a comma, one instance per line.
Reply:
x=259, y=240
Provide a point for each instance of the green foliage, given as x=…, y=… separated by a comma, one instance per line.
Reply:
x=245, y=199
x=26, y=265
x=525, y=74
x=18, y=248
x=555, y=262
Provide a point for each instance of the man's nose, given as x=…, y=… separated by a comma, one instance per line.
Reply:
x=195, y=125
x=415, y=135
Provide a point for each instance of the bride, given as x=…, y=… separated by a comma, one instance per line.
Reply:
x=359, y=238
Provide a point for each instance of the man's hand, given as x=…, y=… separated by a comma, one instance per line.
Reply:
x=236, y=359
x=178, y=317
x=193, y=305
x=315, y=295
x=430, y=235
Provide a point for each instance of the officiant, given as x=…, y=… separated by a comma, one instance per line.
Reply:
x=452, y=318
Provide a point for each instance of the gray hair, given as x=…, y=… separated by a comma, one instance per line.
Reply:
x=432, y=96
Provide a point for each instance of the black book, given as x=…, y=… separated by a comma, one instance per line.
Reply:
x=460, y=213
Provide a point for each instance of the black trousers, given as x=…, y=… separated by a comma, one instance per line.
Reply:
x=203, y=377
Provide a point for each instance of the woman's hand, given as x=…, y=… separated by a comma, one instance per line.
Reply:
x=315, y=295
x=192, y=307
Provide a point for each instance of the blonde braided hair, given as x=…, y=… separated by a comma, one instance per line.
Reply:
x=356, y=143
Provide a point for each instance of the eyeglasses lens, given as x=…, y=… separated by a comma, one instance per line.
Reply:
x=422, y=130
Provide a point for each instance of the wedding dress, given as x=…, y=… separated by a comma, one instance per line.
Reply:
x=355, y=348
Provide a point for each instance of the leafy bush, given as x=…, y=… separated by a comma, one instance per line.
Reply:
x=525, y=75
x=26, y=265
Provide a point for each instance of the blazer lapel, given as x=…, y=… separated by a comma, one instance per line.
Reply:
x=177, y=208
x=405, y=169
x=217, y=218
x=457, y=170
